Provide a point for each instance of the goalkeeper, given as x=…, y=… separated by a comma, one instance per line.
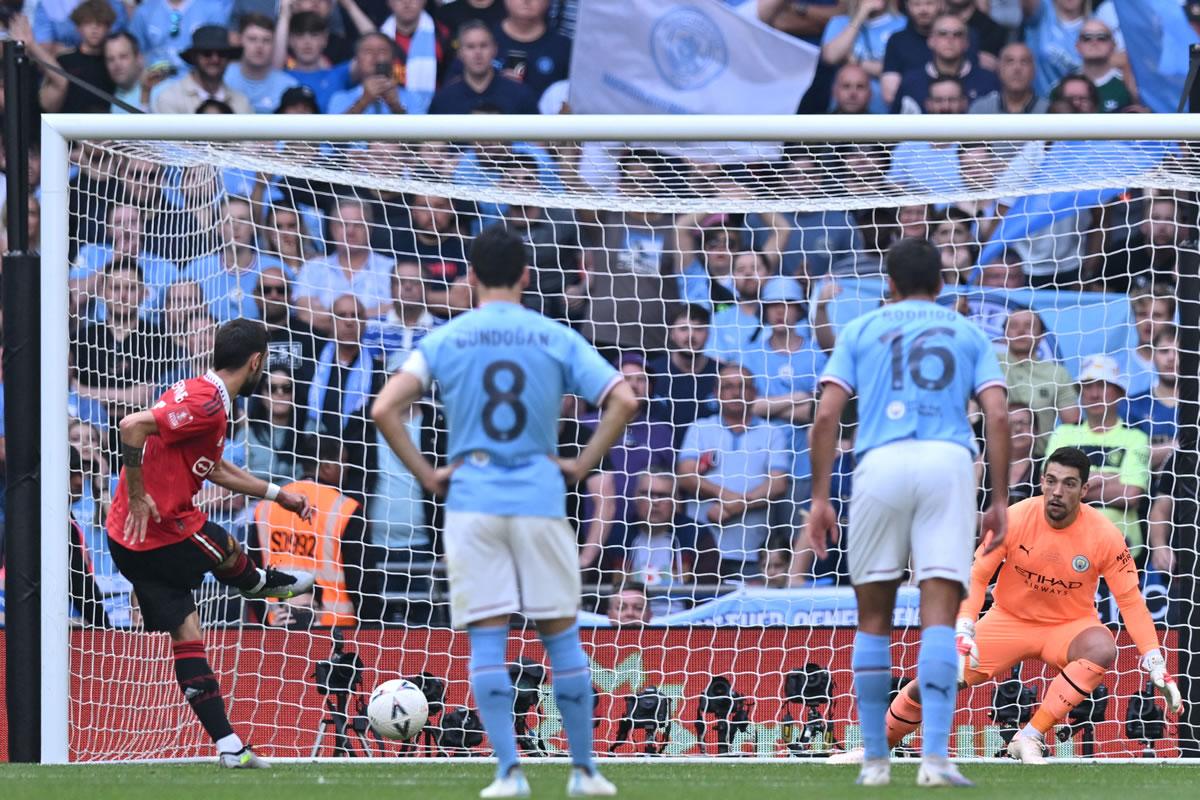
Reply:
x=1051, y=562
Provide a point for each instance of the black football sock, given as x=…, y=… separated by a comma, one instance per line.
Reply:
x=241, y=575
x=201, y=688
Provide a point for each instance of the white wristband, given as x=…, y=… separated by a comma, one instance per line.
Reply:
x=272, y=491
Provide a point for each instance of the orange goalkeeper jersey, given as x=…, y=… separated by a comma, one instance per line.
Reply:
x=1049, y=576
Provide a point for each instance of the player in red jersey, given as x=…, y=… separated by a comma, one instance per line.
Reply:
x=164, y=545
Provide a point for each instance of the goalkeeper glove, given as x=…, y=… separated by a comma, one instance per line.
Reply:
x=964, y=642
x=1156, y=665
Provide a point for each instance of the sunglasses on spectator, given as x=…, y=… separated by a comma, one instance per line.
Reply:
x=1095, y=37
x=210, y=54
x=278, y=289
x=954, y=34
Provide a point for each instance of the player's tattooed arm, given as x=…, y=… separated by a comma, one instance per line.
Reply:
x=134, y=430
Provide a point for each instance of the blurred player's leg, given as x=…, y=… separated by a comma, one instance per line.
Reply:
x=872, y=665
x=573, y=695
x=943, y=542
x=547, y=560
x=483, y=597
x=494, y=693
x=937, y=667
x=202, y=691
x=878, y=548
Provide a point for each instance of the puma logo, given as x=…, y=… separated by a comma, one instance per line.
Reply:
x=1026, y=549
x=945, y=690
x=572, y=698
x=497, y=693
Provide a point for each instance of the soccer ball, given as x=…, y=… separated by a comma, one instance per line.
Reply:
x=397, y=709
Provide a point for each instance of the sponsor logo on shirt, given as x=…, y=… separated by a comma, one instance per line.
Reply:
x=1047, y=584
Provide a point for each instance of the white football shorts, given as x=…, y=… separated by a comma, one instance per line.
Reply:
x=505, y=564
x=913, y=498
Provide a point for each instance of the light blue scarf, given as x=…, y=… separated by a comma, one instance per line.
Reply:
x=355, y=391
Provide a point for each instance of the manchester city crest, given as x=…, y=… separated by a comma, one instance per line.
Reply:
x=1080, y=563
x=688, y=48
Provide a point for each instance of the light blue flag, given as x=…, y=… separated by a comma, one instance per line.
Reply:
x=1157, y=36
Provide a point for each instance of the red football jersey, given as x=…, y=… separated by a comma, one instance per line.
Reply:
x=192, y=416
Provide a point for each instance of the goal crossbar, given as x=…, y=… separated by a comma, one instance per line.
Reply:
x=58, y=131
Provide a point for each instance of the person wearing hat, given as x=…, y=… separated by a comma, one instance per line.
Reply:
x=786, y=363
x=1120, y=455
x=298, y=100
x=209, y=56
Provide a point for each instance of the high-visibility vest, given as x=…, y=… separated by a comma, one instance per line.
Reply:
x=315, y=546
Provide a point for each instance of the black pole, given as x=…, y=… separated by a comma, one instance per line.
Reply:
x=1184, y=610
x=22, y=423
x=1191, y=92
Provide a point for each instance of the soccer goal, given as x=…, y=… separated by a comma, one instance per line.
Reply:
x=692, y=251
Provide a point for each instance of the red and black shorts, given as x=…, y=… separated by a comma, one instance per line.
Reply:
x=165, y=578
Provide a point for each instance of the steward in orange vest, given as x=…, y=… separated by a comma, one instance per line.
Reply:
x=330, y=546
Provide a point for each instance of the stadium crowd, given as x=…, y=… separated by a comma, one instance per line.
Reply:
x=720, y=323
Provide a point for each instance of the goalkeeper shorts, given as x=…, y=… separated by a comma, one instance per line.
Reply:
x=1005, y=640
x=912, y=498
x=499, y=565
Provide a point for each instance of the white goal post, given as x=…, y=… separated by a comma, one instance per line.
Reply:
x=227, y=142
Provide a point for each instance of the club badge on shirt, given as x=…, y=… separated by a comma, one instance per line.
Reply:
x=177, y=419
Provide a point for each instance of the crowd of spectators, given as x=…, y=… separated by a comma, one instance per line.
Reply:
x=719, y=322
x=514, y=56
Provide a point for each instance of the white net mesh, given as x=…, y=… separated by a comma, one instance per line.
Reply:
x=672, y=260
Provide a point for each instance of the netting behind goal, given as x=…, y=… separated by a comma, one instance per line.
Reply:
x=711, y=627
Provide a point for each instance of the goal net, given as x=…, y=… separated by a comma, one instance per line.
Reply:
x=716, y=275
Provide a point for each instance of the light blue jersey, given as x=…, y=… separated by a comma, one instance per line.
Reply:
x=914, y=365
x=501, y=372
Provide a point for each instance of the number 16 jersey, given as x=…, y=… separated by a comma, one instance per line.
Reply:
x=914, y=365
x=501, y=372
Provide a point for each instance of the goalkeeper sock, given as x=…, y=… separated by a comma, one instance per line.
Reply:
x=573, y=692
x=493, y=691
x=1069, y=689
x=241, y=575
x=872, y=664
x=201, y=688
x=937, y=676
x=903, y=716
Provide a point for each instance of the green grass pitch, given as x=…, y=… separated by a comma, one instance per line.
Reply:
x=649, y=781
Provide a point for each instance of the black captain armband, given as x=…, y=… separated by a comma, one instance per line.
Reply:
x=131, y=456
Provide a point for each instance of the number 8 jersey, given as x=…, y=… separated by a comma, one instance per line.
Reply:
x=191, y=416
x=914, y=365
x=501, y=372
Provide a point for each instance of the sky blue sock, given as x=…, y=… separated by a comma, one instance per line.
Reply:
x=937, y=673
x=493, y=691
x=572, y=692
x=872, y=664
